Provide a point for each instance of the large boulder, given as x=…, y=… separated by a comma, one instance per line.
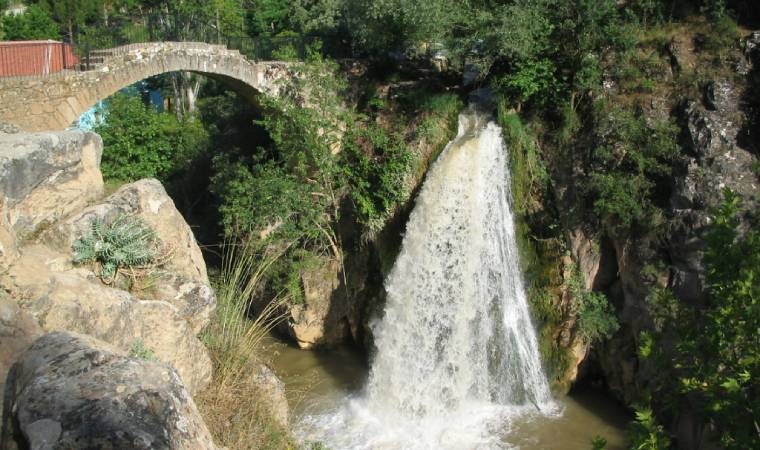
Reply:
x=320, y=320
x=47, y=176
x=72, y=391
x=181, y=279
x=18, y=330
x=272, y=392
x=148, y=200
x=65, y=299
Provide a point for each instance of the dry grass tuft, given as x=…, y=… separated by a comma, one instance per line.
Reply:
x=235, y=406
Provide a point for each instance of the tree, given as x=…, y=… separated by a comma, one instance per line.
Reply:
x=632, y=159
x=708, y=356
x=316, y=16
x=72, y=15
x=518, y=32
x=140, y=142
x=719, y=355
x=269, y=17
x=381, y=26
x=193, y=20
x=35, y=23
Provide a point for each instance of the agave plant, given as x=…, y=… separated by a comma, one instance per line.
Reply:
x=127, y=241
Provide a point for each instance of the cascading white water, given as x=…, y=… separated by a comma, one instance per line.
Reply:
x=456, y=350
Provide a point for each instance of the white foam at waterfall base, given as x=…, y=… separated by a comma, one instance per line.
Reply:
x=457, y=356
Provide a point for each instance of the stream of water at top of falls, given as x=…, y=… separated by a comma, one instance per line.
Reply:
x=457, y=356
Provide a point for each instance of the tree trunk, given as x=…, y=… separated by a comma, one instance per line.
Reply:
x=177, y=89
x=185, y=90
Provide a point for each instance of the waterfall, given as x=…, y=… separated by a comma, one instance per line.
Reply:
x=457, y=354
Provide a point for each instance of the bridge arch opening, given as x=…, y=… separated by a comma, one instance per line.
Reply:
x=191, y=154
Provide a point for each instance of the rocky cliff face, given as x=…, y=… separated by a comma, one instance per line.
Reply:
x=51, y=190
x=716, y=156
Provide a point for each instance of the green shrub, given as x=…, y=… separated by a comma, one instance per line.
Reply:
x=125, y=242
x=530, y=80
x=262, y=196
x=645, y=433
x=285, y=275
x=286, y=52
x=719, y=351
x=376, y=165
x=709, y=356
x=598, y=443
x=639, y=70
x=596, y=316
x=140, y=142
x=630, y=169
x=35, y=23
x=139, y=350
x=724, y=34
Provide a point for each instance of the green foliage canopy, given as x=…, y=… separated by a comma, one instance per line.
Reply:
x=709, y=356
x=719, y=353
x=631, y=159
x=34, y=24
x=140, y=142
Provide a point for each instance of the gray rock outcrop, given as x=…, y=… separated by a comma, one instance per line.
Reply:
x=321, y=319
x=273, y=394
x=47, y=176
x=716, y=162
x=65, y=299
x=18, y=329
x=181, y=279
x=73, y=391
x=49, y=186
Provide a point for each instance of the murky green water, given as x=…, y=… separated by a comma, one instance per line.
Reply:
x=318, y=380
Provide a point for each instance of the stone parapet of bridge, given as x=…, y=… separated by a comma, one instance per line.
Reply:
x=55, y=102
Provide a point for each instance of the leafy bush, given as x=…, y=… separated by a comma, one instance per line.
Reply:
x=645, y=433
x=139, y=142
x=530, y=80
x=596, y=316
x=719, y=353
x=265, y=196
x=35, y=23
x=598, y=443
x=637, y=70
x=139, y=350
x=125, y=242
x=376, y=164
x=709, y=357
x=286, y=52
x=631, y=168
x=723, y=35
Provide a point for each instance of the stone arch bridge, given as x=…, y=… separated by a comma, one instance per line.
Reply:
x=55, y=102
